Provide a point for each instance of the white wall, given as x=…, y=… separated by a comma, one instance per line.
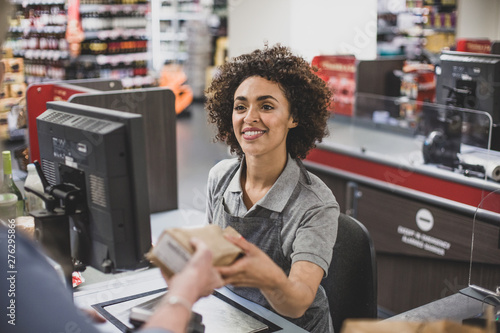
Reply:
x=309, y=27
x=252, y=23
x=478, y=19
x=334, y=27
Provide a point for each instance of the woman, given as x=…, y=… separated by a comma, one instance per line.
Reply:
x=270, y=108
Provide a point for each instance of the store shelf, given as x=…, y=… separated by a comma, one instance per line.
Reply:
x=116, y=33
x=103, y=59
x=169, y=16
x=115, y=44
x=37, y=34
x=38, y=2
x=172, y=36
x=429, y=31
x=169, y=33
x=416, y=21
x=52, y=55
x=114, y=8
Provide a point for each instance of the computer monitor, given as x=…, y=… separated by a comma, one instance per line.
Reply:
x=101, y=154
x=472, y=81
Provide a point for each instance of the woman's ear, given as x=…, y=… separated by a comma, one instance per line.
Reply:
x=293, y=124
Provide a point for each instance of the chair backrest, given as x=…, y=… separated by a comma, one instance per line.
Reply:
x=351, y=284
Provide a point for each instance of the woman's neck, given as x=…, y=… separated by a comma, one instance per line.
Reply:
x=261, y=172
x=259, y=175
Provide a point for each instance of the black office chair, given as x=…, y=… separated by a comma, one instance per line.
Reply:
x=351, y=284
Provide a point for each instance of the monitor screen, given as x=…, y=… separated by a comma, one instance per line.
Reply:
x=471, y=81
x=101, y=153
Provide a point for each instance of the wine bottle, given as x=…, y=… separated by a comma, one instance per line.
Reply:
x=33, y=181
x=8, y=185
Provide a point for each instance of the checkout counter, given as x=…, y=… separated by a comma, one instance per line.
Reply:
x=422, y=176
x=224, y=311
x=420, y=214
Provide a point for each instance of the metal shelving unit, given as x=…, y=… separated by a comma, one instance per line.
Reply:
x=169, y=22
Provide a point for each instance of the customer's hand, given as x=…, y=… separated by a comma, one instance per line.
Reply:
x=94, y=316
x=199, y=278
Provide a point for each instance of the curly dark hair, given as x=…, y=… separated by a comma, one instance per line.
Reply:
x=307, y=95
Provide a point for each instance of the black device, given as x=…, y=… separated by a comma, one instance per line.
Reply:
x=472, y=81
x=140, y=314
x=94, y=169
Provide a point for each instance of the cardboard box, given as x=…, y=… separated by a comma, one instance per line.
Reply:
x=173, y=249
x=14, y=65
x=373, y=326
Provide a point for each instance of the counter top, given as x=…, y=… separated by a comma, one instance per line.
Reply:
x=394, y=161
x=399, y=150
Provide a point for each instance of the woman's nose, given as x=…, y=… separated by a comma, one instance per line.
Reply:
x=251, y=116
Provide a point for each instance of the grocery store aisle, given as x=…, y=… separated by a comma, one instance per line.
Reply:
x=196, y=154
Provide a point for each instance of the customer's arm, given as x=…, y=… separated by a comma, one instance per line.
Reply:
x=38, y=299
x=197, y=279
x=289, y=295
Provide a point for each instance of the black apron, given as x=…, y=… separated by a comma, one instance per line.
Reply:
x=265, y=233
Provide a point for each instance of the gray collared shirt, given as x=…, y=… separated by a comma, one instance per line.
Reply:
x=307, y=206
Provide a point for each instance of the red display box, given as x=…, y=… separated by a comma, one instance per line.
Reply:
x=339, y=71
x=474, y=45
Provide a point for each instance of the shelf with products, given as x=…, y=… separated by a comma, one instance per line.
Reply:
x=37, y=34
x=170, y=21
x=415, y=25
x=118, y=41
x=110, y=27
x=115, y=42
x=131, y=67
x=105, y=17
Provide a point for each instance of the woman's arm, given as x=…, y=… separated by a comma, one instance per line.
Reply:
x=289, y=296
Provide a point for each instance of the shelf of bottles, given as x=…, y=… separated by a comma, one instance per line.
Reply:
x=424, y=24
x=427, y=17
x=37, y=34
x=116, y=43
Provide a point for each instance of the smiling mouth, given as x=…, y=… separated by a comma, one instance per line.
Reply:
x=252, y=133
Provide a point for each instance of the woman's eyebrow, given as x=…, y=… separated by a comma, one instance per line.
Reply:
x=260, y=98
x=240, y=98
x=264, y=97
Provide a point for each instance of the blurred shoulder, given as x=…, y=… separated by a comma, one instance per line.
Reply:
x=222, y=167
x=318, y=185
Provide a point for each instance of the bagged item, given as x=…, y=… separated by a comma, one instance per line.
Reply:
x=375, y=326
x=173, y=249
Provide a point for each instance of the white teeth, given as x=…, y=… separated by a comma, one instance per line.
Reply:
x=251, y=133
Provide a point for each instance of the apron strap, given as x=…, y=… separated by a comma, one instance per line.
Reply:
x=275, y=215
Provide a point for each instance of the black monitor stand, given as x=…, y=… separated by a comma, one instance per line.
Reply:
x=53, y=225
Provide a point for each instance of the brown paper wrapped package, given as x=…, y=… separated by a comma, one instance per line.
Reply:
x=173, y=248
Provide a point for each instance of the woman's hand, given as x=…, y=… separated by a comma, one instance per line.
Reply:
x=290, y=295
x=255, y=269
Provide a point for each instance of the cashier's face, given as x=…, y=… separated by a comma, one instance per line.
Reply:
x=261, y=117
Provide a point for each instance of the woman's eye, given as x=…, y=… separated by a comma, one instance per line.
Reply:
x=267, y=107
x=239, y=108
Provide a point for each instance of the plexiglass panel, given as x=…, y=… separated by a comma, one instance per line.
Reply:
x=453, y=139
x=485, y=248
